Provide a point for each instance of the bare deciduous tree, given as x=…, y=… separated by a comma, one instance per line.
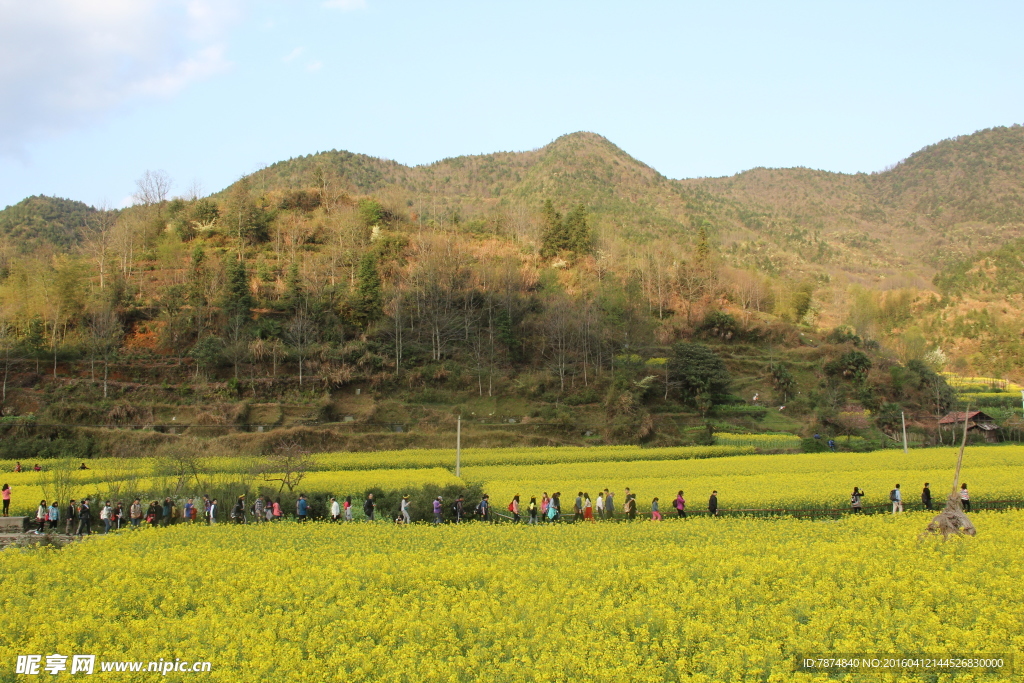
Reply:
x=152, y=188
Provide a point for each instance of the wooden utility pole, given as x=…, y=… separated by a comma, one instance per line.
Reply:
x=903, y=417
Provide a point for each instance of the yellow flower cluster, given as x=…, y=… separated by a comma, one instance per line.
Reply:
x=439, y=457
x=766, y=442
x=702, y=600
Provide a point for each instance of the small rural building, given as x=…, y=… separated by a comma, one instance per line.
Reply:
x=978, y=424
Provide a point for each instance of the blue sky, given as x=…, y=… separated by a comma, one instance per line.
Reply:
x=95, y=92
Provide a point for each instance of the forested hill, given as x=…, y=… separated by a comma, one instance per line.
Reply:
x=947, y=201
x=41, y=220
x=553, y=284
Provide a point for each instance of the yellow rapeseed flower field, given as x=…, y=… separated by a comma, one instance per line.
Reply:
x=704, y=600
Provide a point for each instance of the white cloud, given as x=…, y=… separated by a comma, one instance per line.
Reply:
x=65, y=63
x=293, y=54
x=345, y=5
x=315, y=66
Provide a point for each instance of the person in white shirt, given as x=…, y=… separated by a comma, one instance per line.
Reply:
x=897, y=500
x=405, y=510
x=105, y=516
x=335, y=510
x=599, y=505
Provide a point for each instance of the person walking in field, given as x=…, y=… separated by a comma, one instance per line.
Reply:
x=404, y=509
x=655, y=510
x=188, y=510
x=483, y=509
x=238, y=511
x=438, y=511
x=609, y=504
x=259, y=509
x=302, y=508
x=71, y=518
x=513, y=507
x=531, y=509
x=42, y=513
x=680, y=505
x=7, y=500
x=577, y=507
x=629, y=507
x=105, y=512
x=84, y=518
x=54, y=515
x=926, y=497
x=545, y=504
x=168, y=511
x=556, y=505
x=599, y=505
x=277, y=511
x=135, y=512
x=713, y=504
x=856, y=505
x=458, y=509
x=965, y=498
x=588, y=508
x=348, y=508
x=335, y=510
x=896, y=496
x=369, y=507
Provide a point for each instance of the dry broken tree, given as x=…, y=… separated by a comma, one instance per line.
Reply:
x=952, y=520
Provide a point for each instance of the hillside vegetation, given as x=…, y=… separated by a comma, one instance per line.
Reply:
x=570, y=294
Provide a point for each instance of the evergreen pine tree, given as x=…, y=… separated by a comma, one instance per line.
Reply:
x=553, y=234
x=293, y=294
x=237, y=298
x=368, y=304
x=578, y=238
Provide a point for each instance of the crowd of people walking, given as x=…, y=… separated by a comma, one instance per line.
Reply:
x=896, y=498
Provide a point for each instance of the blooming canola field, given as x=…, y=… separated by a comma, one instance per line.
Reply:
x=707, y=600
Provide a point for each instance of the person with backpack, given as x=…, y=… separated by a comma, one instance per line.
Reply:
x=531, y=509
x=680, y=505
x=484, y=508
x=897, y=499
x=513, y=507
x=369, y=507
x=855, y=501
x=926, y=497
x=629, y=508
